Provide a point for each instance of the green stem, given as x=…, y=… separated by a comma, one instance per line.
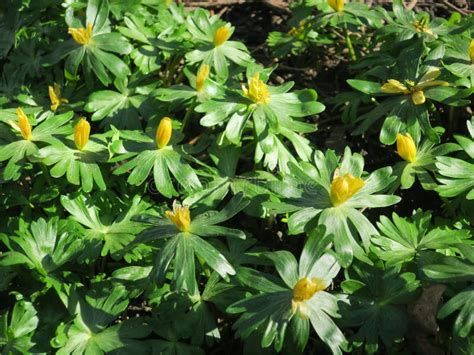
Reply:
x=46, y=174
x=171, y=69
x=352, y=53
x=451, y=119
x=103, y=264
x=188, y=114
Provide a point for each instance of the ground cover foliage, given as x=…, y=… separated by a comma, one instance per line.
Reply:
x=165, y=189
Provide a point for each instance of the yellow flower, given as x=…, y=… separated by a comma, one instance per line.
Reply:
x=81, y=133
x=418, y=97
x=55, y=97
x=406, y=147
x=180, y=216
x=337, y=5
x=221, y=35
x=393, y=86
x=422, y=26
x=163, y=132
x=416, y=91
x=295, y=31
x=471, y=51
x=201, y=77
x=303, y=291
x=23, y=124
x=306, y=288
x=258, y=90
x=344, y=187
x=81, y=35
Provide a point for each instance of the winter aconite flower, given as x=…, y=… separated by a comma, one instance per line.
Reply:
x=76, y=156
x=154, y=153
x=163, y=132
x=81, y=133
x=422, y=26
x=297, y=302
x=406, y=147
x=275, y=113
x=221, y=35
x=416, y=91
x=180, y=216
x=55, y=97
x=337, y=5
x=258, y=90
x=303, y=291
x=201, y=77
x=81, y=35
x=471, y=51
x=186, y=240
x=331, y=192
x=306, y=288
x=23, y=124
x=16, y=150
x=344, y=187
x=213, y=46
x=296, y=31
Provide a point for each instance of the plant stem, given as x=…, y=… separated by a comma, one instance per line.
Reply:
x=46, y=174
x=352, y=53
x=171, y=69
x=451, y=119
x=188, y=114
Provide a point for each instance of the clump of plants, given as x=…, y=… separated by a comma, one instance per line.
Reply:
x=164, y=192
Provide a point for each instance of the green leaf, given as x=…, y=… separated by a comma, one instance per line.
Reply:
x=235, y=205
x=446, y=268
x=111, y=62
x=42, y=247
x=326, y=329
x=17, y=331
x=115, y=106
x=89, y=332
x=403, y=239
x=374, y=294
x=286, y=265
x=367, y=87
x=317, y=243
x=112, y=42
x=258, y=280
x=211, y=256
x=115, y=230
x=463, y=301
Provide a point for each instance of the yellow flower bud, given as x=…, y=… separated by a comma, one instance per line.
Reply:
x=81, y=35
x=55, y=97
x=471, y=51
x=163, y=132
x=406, y=147
x=81, y=133
x=180, y=216
x=221, y=35
x=344, y=187
x=23, y=124
x=393, y=86
x=258, y=90
x=201, y=77
x=297, y=31
x=418, y=97
x=306, y=288
x=337, y=5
